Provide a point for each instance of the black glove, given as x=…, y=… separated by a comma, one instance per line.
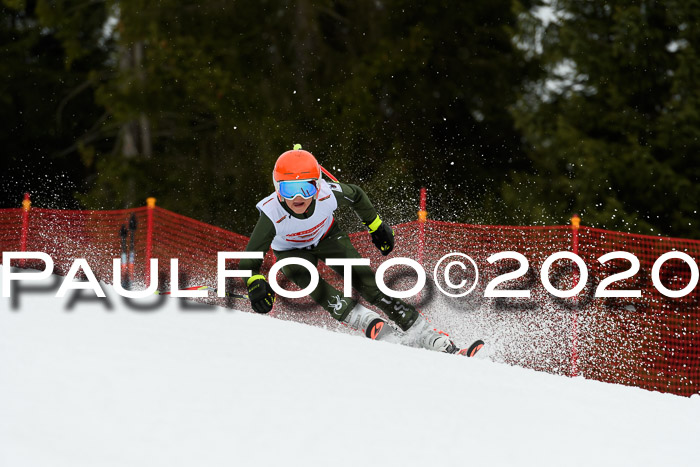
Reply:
x=261, y=295
x=382, y=236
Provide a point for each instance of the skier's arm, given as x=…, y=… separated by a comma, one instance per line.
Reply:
x=354, y=196
x=260, y=240
x=261, y=295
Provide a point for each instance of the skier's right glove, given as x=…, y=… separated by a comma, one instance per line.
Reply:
x=261, y=295
x=382, y=235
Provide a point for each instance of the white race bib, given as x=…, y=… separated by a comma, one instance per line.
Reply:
x=292, y=233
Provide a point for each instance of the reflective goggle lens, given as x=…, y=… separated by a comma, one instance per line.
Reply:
x=291, y=189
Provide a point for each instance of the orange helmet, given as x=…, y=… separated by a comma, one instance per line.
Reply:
x=296, y=165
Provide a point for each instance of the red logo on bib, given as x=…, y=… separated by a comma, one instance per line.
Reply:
x=305, y=235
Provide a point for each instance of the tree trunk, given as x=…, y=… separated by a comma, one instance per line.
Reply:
x=135, y=135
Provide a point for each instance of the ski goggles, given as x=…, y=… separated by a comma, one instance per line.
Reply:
x=292, y=188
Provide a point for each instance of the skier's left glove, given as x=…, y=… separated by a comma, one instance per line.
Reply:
x=261, y=295
x=382, y=235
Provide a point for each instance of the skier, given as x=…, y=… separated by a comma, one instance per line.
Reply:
x=297, y=220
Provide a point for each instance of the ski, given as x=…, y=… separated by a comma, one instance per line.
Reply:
x=128, y=251
x=126, y=283
x=132, y=253
x=202, y=287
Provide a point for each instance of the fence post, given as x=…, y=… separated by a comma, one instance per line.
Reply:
x=26, y=207
x=422, y=217
x=575, y=224
x=151, y=204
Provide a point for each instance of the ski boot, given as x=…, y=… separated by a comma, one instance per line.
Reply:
x=367, y=321
x=422, y=334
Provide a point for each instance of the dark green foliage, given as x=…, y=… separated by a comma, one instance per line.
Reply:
x=202, y=97
x=617, y=139
x=45, y=106
x=191, y=102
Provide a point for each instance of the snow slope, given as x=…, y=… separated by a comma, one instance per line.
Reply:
x=96, y=382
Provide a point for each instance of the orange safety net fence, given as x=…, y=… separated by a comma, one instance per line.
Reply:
x=652, y=341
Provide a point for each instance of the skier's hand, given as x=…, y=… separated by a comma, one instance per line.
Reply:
x=382, y=236
x=261, y=295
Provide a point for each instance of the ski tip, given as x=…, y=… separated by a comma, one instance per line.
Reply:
x=472, y=349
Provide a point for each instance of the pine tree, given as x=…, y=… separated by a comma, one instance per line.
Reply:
x=198, y=99
x=47, y=98
x=612, y=129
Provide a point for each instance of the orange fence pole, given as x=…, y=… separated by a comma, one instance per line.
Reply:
x=26, y=207
x=151, y=204
x=575, y=224
x=422, y=217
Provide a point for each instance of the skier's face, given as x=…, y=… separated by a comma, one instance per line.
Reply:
x=298, y=205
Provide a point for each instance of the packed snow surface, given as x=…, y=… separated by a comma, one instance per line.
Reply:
x=166, y=382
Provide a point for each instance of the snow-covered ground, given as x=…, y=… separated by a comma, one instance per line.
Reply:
x=99, y=382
